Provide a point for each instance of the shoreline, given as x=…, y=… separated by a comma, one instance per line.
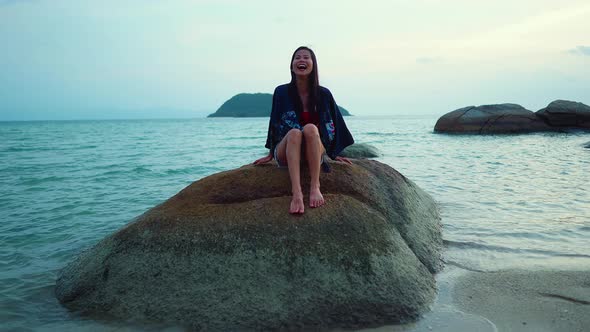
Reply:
x=538, y=299
x=520, y=300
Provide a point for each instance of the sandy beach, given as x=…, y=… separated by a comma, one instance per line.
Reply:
x=516, y=300
x=507, y=300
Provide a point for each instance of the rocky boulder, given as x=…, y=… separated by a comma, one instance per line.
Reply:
x=224, y=254
x=564, y=113
x=360, y=150
x=490, y=119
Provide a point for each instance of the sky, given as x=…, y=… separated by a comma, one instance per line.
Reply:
x=71, y=59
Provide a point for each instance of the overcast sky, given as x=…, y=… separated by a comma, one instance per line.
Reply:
x=154, y=58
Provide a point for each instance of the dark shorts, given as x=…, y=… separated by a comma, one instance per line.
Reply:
x=280, y=163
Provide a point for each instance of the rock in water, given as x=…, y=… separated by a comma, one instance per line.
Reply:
x=360, y=150
x=564, y=113
x=224, y=254
x=490, y=119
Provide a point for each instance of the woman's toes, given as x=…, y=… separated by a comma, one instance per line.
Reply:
x=315, y=198
x=297, y=206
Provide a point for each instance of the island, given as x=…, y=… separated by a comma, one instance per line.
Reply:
x=250, y=105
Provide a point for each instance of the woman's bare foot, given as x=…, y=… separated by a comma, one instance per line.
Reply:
x=297, y=206
x=315, y=198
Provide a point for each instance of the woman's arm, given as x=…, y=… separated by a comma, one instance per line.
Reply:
x=342, y=136
x=270, y=136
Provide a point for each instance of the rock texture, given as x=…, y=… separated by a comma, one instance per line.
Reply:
x=490, y=119
x=224, y=254
x=360, y=150
x=564, y=113
x=559, y=115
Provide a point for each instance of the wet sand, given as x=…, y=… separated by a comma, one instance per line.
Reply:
x=516, y=300
x=506, y=300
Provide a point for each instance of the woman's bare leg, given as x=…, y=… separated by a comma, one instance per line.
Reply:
x=314, y=149
x=290, y=149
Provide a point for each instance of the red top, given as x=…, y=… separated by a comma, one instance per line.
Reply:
x=309, y=117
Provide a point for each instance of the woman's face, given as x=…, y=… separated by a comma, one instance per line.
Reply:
x=302, y=64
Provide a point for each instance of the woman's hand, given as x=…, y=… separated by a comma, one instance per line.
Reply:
x=263, y=160
x=344, y=160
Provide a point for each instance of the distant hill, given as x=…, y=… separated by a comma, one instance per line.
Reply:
x=250, y=105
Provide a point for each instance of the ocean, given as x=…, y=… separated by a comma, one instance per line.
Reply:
x=506, y=201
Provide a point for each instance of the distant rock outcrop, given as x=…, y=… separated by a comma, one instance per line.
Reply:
x=559, y=115
x=565, y=113
x=246, y=105
x=360, y=150
x=224, y=254
x=490, y=119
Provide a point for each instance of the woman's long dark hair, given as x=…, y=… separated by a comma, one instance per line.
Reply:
x=313, y=83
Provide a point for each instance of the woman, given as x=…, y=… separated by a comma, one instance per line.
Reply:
x=305, y=121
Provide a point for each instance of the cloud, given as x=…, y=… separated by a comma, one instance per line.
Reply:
x=580, y=50
x=522, y=35
x=428, y=60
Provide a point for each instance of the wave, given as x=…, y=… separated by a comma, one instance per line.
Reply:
x=374, y=133
x=38, y=181
x=239, y=138
x=23, y=149
x=497, y=248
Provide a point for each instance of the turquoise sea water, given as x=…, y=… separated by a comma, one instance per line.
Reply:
x=506, y=201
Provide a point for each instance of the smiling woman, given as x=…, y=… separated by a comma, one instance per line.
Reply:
x=305, y=121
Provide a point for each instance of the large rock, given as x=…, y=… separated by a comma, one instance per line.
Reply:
x=224, y=254
x=564, y=113
x=360, y=150
x=491, y=119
